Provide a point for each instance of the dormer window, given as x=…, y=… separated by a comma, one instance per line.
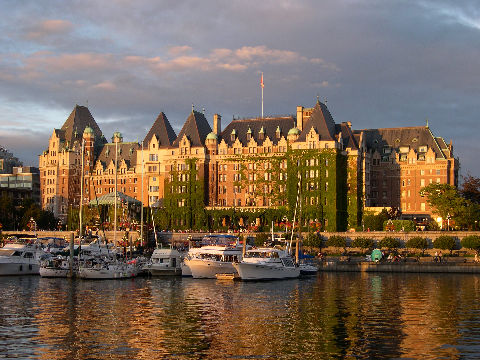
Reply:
x=249, y=134
x=278, y=132
x=261, y=134
x=422, y=149
x=233, y=135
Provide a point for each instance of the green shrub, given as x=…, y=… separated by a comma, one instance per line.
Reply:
x=399, y=225
x=337, y=241
x=363, y=243
x=418, y=243
x=314, y=240
x=445, y=242
x=389, y=243
x=261, y=239
x=471, y=242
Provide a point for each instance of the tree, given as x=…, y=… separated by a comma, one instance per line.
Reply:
x=444, y=199
x=471, y=189
x=445, y=242
x=471, y=242
x=418, y=243
x=363, y=243
x=375, y=222
x=389, y=243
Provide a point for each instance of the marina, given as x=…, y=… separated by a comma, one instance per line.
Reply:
x=332, y=315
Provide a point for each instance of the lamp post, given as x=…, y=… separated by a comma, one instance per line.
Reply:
x=34, y=224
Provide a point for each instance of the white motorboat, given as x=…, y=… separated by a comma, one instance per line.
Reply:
x=265, y=264
x=216, y=254
x=207, y=261
x=164, y=262
x=58, y=266
x=21, y=259
x=104, y=268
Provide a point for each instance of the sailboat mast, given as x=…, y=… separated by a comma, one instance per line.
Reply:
x=81, y=192
x=115, y=202
x=141, y=214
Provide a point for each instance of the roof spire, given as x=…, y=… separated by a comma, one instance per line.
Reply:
x=325, y=100
x=203, y=111
x=318, y=98
x=426, y=123
x=193, y=107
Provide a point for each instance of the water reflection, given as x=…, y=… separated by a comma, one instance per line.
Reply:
x=334, y=315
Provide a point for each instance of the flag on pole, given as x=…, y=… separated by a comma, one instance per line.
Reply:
x=261, y=81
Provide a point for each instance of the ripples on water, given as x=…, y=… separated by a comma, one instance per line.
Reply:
x=334, y=315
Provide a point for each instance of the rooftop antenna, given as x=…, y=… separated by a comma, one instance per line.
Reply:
x=87, y=103
x=193, y=107
x=203, y=111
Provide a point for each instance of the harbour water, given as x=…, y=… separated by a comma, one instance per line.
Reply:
x=332, y=315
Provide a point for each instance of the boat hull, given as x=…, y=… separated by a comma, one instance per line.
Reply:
x=162, y=270
x=19, y=268
x=253, y=271
x=106, y=273
x=54, y=272
x=206, y=269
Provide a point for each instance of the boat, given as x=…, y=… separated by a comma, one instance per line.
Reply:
x=215, y=256
x=164, y=262
x=107, y=268
x=21, y=259
x=58, y=266
x=226, y=276
x=307, y=269
x=266, y=264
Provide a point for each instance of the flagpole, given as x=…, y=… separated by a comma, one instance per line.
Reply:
x=261, y=85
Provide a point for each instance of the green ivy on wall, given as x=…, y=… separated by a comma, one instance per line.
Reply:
x=184, y=200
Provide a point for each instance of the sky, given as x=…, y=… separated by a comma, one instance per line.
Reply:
x=378, y=64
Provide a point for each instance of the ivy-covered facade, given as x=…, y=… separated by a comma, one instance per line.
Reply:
x=252, y=172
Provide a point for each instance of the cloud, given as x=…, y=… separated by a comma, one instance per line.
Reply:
x=47, y=28
x=105, y=85
x=179, y=50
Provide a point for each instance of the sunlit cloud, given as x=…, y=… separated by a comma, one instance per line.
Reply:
x=47, y=28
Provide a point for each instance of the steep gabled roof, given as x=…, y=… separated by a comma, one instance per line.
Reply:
x=269, y=126
x=349, y=140
x=196, y=128
x=321, y=120
x=163, y=130
x=412, y=137
x=79, y=119
x=127, y=151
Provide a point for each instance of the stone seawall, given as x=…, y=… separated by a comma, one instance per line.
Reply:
x=402, y=267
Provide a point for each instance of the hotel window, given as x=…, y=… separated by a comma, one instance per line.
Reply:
x=422, y=182
x=422, y=206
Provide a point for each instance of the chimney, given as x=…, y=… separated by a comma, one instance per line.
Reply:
x=300, y=118
x=217, y=124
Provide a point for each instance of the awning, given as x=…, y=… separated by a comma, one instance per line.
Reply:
x=109, y=199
